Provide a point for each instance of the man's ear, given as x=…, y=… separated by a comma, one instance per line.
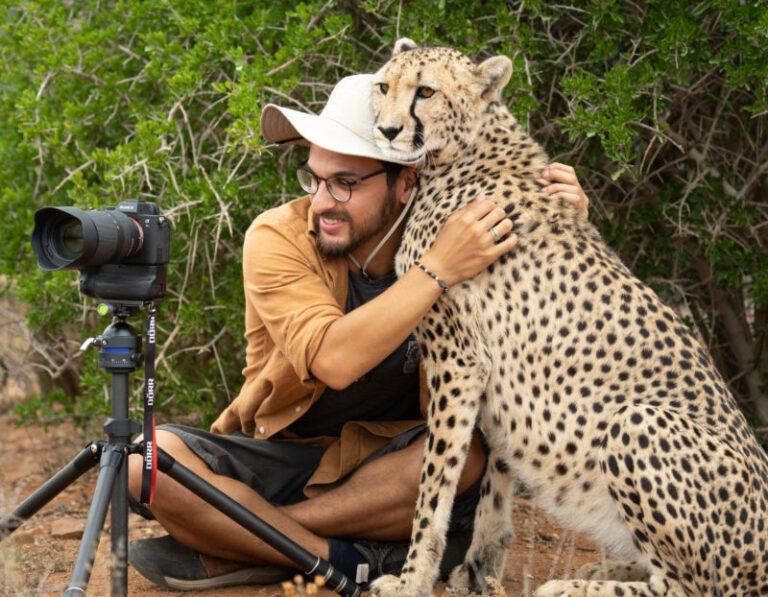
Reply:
x=407, y=182
x=494, y=74
x=403, y=45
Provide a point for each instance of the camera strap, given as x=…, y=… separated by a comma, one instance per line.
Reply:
x=149, y=474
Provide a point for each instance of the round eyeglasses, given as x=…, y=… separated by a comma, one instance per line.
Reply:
x=339, y=187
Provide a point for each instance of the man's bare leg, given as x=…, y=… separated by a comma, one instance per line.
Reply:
x=202, y=527
x=376, y=502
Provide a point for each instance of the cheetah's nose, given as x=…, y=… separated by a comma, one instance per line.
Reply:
x=390, y=132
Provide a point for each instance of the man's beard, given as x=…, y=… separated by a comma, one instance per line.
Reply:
x=357, y=236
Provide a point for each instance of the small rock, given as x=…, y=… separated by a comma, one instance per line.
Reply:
x=21, y=538
x=67, y=528
x=547, y=538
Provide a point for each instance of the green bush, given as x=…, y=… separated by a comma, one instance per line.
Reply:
x=661, y=107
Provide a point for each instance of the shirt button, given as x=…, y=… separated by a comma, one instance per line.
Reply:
x=297, y=409
x=262, y=430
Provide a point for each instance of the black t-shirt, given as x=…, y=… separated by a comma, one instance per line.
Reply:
x=389, y=392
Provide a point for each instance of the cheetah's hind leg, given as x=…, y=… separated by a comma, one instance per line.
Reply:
x=665, y=469
x=599, y=588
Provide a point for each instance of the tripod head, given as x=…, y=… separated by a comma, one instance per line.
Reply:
x=120, y=345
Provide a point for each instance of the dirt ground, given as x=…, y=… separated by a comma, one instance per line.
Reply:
x=37, y=558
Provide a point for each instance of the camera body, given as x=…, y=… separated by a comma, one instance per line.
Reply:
x=155, y=232
x=141, y=276
x=121, y=252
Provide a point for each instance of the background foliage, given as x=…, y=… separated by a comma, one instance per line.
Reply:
x=661, y=106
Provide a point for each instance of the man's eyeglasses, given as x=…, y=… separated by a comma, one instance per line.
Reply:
x=339, y=187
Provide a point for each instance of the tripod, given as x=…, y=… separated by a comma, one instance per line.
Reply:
x=120, y=355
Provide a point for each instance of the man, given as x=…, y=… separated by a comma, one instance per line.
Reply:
x=325, y=439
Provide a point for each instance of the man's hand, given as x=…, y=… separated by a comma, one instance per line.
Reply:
x=561, y=182
x=465, y=245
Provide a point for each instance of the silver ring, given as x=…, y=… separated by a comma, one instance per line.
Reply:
x=495, y=234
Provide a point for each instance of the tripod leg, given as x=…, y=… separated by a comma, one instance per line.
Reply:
x=311, y=564
x=81, y=463
x=112, y=458
x=119, y=519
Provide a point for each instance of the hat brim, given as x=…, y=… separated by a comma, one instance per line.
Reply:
x=283, y=125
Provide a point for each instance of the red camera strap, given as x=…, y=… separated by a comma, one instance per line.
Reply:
x=149, y=474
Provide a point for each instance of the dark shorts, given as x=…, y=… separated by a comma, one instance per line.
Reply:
x=278, y=470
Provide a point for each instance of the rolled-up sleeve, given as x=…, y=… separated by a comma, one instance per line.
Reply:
x=288, y=293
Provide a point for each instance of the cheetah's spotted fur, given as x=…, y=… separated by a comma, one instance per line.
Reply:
x=585, y=385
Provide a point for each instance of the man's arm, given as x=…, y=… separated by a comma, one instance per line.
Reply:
x=357, y=342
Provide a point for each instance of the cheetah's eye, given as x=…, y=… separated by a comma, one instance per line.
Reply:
x=383, y=87
x=425, y=92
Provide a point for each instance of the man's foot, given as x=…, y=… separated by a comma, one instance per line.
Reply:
x=381, y=557
x=389, y=557
x=172, y=565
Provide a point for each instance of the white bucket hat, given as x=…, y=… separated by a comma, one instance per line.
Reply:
x=344, y=126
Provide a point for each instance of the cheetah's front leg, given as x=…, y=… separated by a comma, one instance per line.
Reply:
x=455, y=395
x=493, y=518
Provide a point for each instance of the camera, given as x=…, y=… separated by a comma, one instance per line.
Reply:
x=121, y=252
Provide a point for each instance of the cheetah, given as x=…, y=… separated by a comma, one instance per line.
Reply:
x=586, y=387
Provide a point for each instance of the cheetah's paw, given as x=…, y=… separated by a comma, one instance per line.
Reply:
x=613, y=570
x=387, y=586
x=462, y=579
x=560, y=588
x=459, y=578
x=393, y=586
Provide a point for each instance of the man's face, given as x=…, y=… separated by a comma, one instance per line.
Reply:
x=343, y=227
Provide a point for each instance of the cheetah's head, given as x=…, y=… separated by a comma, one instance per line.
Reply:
x=429, y=102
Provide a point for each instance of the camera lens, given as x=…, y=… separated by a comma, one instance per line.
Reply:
x=70, y=238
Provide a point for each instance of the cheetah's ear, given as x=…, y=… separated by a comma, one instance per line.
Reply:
x=494, y=73
x=403, y=45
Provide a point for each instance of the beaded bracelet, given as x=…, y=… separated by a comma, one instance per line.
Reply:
x=442, y=283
